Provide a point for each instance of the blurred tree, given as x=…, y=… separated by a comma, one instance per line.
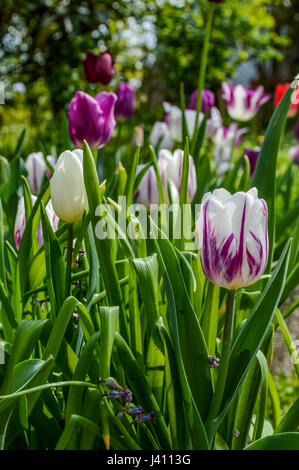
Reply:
x=156, y=44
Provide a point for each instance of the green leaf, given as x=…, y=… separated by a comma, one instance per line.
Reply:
x=191, y=340
x=290, y=421
x=142, y=392
x=259, y=424
x=264, y=177
x=55, y=265
x=129, y=190
x=284, y=441
x=27, y=334
x=254, y=330
x=105, y=247
x=147, y=272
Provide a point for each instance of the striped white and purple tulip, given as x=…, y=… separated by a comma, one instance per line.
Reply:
x=224, y=140
x=242, y=103
x=174, y=118
x=20, y=222
x=233, y=237
x=170, y=167
x=36, y=167
x=160, y=135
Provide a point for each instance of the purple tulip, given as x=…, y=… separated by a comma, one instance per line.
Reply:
x=233, y=237
x=99, y=68
x=242, y=103
x=91, y=118
x=296, y=130
x=252, y=156
x=208, y=100
x=294, y=154
x=126, y=101
x=20, y=222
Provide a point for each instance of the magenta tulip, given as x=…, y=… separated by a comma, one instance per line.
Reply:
x=91, y=119
x=99, y=68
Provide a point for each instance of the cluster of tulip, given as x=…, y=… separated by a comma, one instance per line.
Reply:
x=232, y=229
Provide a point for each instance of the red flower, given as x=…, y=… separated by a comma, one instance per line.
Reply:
x=280, y=90
x=99, y=68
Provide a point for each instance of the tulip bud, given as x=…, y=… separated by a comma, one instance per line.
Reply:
x=99, y=68
x=252, y=156
x=20, y=222
x=37, y=168
x=91, y=119
x=242, y=103
x=233, y=237
x=126, y=101
x=68, y=192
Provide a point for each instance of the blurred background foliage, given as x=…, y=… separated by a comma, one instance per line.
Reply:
x=156, y=45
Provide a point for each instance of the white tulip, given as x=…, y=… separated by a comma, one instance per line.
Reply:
x=68, y=192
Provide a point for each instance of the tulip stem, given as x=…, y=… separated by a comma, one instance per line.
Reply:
x=69, y=261
x=211, y=425
x=202, y=69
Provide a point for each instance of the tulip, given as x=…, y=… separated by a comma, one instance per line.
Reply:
x=233, y=237
x=68, y=192
x=173, y=119
x=99, y=68
x=170, y=167
x=20, y=222
x=224, y=141
x=173, y=168
x=280, y=90
x=208, y=100
x=160, y=134
x=252, y=156
x=214, y=122
x=147, y=192
x=294, y=154
x=296, y=130
x=242, y=103
x=36, y=167
x=91, y=119
x=126, y=101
